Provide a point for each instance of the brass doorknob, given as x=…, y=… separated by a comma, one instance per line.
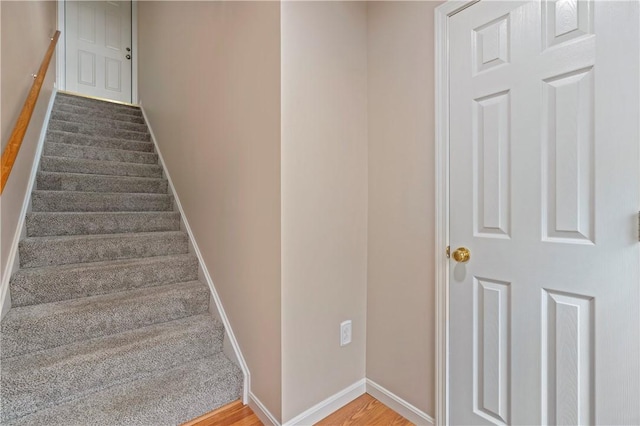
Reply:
x=461, y=255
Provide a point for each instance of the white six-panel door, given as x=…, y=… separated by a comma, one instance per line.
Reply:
x=97, y=36
x=544, y=192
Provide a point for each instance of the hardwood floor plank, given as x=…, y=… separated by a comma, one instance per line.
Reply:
x=364, y=410
x=233, y=414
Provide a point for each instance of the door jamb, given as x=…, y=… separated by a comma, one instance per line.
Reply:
x=441, y=18
x=61, y=78
x=62, y=46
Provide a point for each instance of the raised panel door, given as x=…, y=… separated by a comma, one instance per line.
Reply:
x=544, y=191
x=98, y=48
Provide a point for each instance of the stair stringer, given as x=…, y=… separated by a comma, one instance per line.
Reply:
x=13, y=261
x=230, y=345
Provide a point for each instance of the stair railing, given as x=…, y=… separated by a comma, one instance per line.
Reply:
x=15, y=140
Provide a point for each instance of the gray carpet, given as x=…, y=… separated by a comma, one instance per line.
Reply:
x=109, y=324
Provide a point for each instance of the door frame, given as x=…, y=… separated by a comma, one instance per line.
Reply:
x=61, y=77
x=441, y=17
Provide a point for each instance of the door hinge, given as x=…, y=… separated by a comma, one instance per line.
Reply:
x=639, y=226
x=448, y=250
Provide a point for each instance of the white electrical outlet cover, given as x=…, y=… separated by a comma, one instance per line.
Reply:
x=345, y=333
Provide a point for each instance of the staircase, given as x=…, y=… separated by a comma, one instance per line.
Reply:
x=109, y=324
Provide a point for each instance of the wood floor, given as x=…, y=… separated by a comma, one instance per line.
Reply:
x=363, y=411
x=234, y=414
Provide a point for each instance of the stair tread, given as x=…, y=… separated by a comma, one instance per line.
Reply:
x=83, y=119
x=107, y=177
x=116, y=213
x=132, y=235
x=86, y=182
x=95, y=125
x=149, y=158
x=171, y=397
x=111, y=162
x=40, y=224
x=47, y=284
x=65, y=249
x=99, y=201
x=104, y=263
x=136, y=194
x=101, y=193
x=53, y=376
x=71, y=99
x=29, y=329
x=59, y=124
x=98, y=138
x=92, y=112
x=102, y=167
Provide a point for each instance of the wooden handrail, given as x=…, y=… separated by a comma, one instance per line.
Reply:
x=15, y=140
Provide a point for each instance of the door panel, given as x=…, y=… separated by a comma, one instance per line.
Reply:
x=567, y=359
x=544, y=191
x=491, y=145
x=98, y=34
x=491, y=349
x=567, y=157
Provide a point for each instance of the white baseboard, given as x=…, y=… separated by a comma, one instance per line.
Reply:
x=329, y=405
x=342, y=398
x=222, y=315
x=399, y=405
x=12, y=260
x=261, y=411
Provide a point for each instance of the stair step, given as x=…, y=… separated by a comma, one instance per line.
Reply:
x=56, y=136
x=63, y=374
x=71, y=201
x=98, y=121
x=55, y=181
x=101, y=154
x=98, y=130
x=105, y=106
x=29, y=329
x=172, y=397
x=45, y=251
x=98, y=167
x=90, y=112
x=56, y=283
x=42, y=224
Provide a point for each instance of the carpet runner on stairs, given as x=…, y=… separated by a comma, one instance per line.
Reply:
x=109, y=324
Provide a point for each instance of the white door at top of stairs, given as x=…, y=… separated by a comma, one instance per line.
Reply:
x=98, y=49
x=544, y=193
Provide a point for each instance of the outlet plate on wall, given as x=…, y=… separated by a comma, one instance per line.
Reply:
x=345, y=333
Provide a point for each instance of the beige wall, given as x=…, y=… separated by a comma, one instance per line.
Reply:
x=324, y=198
x=400, y=292
x=210, y=84
x=26, y=28
x=347, y=187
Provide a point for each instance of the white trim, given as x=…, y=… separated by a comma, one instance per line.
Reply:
x=12, y=260
x=442, y=15
x=329, y=405
x=399, y=405
x=61, y=75
x=207, y=276
x=261, y=411
x=134, y=51
x=61, y=48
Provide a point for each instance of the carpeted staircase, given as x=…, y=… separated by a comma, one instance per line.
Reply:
x=109, y=324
